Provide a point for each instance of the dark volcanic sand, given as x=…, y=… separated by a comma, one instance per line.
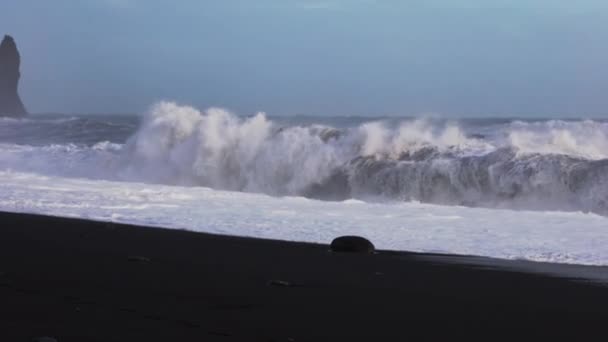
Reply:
x=78, y=280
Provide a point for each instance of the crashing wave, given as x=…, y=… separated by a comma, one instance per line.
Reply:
x=545, y=165
x=414, y=161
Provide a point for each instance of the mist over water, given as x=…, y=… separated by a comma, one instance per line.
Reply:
x=496, y=163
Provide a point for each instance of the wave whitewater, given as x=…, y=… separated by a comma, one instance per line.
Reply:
x=545, y=165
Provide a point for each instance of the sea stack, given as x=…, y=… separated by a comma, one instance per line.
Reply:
x=10, y=60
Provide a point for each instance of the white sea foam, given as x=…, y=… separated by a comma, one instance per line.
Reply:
x=563, y=237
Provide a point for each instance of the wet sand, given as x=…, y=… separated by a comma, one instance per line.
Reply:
x=78, y=280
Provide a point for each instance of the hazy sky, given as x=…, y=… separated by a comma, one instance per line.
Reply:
x=335, y=57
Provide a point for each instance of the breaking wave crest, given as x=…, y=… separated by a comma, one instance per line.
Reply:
x=553, y=165
x=548, y=165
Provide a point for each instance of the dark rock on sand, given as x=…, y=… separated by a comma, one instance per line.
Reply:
x=352, y=244
x=10, y=61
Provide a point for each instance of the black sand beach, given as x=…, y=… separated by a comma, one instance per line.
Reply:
x=77, y=280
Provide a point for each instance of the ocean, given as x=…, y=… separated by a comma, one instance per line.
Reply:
x=505, y=188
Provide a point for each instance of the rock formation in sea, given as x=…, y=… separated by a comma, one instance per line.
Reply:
x=10, y=60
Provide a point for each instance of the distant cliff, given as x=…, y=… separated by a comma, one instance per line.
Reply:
x=10, y=60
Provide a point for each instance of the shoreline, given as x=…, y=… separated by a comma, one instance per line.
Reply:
x=79, y=280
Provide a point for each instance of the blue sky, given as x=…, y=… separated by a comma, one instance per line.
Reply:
x=325, y=57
